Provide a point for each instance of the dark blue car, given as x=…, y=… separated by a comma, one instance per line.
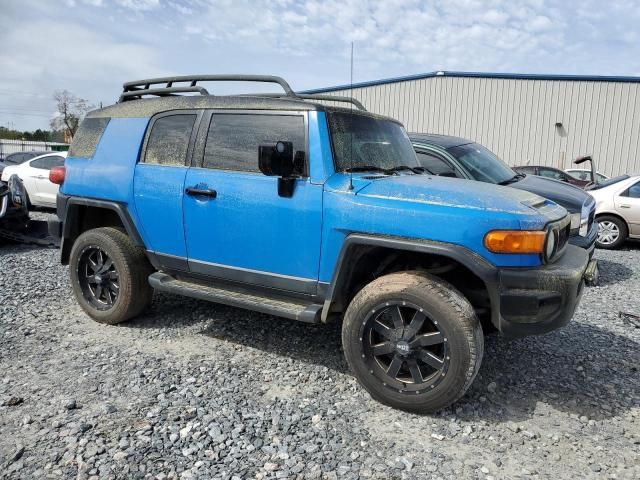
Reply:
x=457, y=157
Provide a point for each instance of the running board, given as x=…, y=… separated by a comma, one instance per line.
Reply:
x=294, y=309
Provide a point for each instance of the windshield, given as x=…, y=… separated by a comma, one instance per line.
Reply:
x=482, y=164
x=360, y=142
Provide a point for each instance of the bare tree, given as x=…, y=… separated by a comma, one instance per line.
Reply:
x=71, y=110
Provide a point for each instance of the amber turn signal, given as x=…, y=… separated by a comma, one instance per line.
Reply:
x=515, y=241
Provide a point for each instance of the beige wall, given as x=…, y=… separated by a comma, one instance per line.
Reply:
x=516, y=118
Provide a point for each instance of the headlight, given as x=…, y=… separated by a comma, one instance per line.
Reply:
x=575, y=220
x=550, y=245
x=579, y=223
x=584, y=227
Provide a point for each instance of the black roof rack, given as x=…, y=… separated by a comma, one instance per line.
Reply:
x=333, y=98
x=304, y=96
x=138, y=88
x=164, y=86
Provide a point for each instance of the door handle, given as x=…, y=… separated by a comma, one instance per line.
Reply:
x=624, y=205
x=201, y=192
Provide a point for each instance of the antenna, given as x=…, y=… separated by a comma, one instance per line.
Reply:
x=351, y=122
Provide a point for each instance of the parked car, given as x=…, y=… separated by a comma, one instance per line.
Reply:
x=553, y=173
x=584, y=175
x=314, y=213
x=617, y=210
x=18, y=158
x=457, y=157
x=34, y=173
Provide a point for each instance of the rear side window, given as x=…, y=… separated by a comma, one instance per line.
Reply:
x=169, y=140
x=47, y=163
x=633, y=191
x=233, y=139
x=87, y=137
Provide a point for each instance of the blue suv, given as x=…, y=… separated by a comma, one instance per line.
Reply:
x=282, y=204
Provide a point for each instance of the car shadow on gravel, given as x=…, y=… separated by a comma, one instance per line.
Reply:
x=582, y=370
x=613, y=272
x=314, y=344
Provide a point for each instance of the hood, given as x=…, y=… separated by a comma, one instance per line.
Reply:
x=457, y=193
x=570, y=197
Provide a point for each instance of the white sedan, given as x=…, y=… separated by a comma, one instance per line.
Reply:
x=617, y=210
x=34, y=174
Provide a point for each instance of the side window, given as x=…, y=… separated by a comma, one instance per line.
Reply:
x=633, y=191
x=87, y=137
x=436, y=165
x=47, y=163
x=527, y=170
x=168, y=141
x=233, y=139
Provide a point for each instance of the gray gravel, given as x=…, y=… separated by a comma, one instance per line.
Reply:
x=197, y=390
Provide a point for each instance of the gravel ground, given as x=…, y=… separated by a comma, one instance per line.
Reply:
x=197, y=390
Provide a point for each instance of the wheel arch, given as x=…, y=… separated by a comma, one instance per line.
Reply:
x=81, y=214
x=363, y=253
x=613, y=214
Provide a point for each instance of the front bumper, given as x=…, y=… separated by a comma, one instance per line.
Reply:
x=538, y=300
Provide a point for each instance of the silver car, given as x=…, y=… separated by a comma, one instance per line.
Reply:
x=617, y=210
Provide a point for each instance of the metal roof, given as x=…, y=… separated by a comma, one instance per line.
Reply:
x=506, y=76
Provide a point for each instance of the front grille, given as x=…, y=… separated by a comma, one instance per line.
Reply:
x=563, y=237
x=561, y=230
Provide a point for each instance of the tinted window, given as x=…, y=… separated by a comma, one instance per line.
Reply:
x=633, y=191
x=87, y=137
x=168, y=141
x=233, y=139
x=47, y=163
x=528, y=170
x=18, y=158
x=436, y=165
x=551, y=173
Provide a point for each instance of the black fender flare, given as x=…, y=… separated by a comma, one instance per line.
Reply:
x=68, y=211
x=487, y=272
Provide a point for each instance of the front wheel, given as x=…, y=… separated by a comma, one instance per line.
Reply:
x=109, y=275
x=612, y=232
x=413, y=341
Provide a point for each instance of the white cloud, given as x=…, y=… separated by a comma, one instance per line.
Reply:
x=96, y=45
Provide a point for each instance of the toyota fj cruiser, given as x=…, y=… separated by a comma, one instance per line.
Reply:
x=292, y=206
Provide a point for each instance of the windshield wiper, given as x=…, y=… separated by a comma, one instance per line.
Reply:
x=513, y=179
x=418, y=170
x=370, y=168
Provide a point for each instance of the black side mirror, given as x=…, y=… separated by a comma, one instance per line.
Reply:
x=279, y=161
x=276, y=161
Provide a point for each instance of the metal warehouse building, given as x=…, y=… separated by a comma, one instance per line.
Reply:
x=525, y=119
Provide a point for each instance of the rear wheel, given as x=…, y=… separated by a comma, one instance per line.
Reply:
x=109, y=275
x=612, y=232
x=413, y=341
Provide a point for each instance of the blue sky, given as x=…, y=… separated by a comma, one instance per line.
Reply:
x=90, y=47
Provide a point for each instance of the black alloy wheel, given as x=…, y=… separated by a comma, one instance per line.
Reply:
x=98, y=278
x=404, y=348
